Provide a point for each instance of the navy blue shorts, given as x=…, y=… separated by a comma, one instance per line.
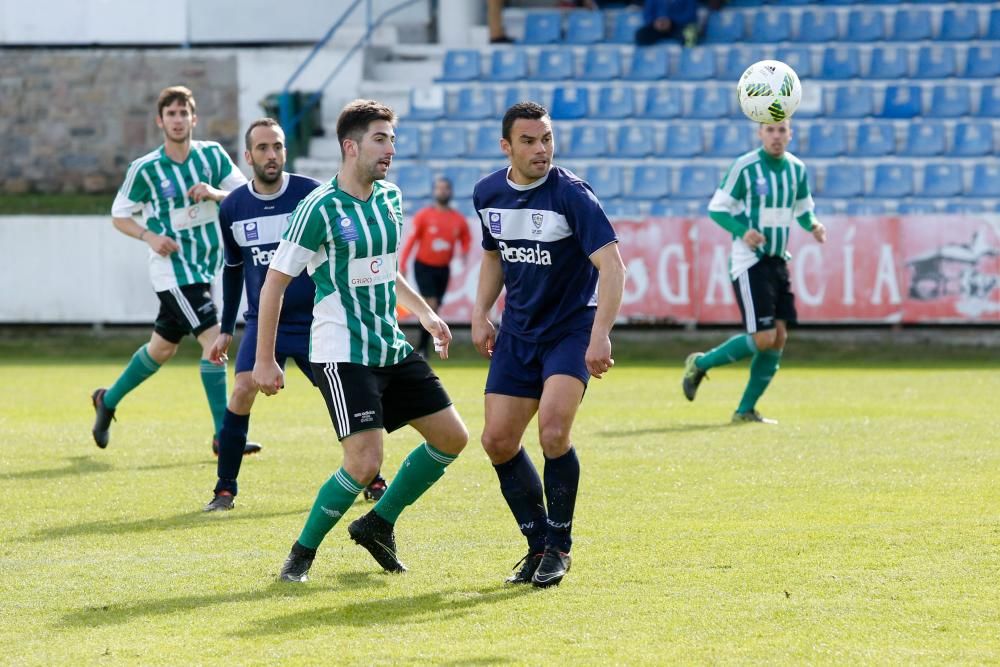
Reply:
x=520, y=367
x=287, y=344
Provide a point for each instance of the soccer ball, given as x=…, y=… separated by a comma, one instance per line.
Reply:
x=769, y=91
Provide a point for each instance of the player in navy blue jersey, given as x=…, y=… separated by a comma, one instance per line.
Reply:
x=546, y=239
x=253, y=217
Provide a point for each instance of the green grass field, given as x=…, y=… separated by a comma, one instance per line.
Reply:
x=863, y=528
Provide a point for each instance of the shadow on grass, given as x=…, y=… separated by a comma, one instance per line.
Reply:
x=196, y=519
x=438, y=606
x=87, y=465
x=115, y=614
x=671, y=428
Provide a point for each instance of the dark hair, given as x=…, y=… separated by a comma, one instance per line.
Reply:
x=528, y=110
x=260, y=122
x=174, y=94
x=445, y=179
x=357, y=116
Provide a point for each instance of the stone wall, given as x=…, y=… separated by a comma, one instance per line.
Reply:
x=71, y=120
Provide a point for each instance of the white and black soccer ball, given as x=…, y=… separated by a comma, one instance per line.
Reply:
x=769, y=91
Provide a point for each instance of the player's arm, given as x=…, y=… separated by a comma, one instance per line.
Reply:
x=232, y=288
x=408, y=298
x=231, y=178
x=487, y=292
x=267, y=374
x=121, y=218
x=610, y=289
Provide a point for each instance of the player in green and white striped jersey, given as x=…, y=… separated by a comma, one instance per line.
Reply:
x=347, y=233
x=762, y=195
x=176, y=188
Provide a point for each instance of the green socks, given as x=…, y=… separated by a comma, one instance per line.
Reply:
x=214, y=379
x=138, y=370
x=424, y=466
x=738, y=347
x=762, y=369
x=333, y=500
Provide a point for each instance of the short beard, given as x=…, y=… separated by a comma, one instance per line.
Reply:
x=260, y=175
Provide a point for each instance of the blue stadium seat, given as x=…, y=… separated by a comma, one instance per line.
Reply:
x=650, y=182
x=509, y=65
x=747, y=3
x=696, y=65
x=817, y=26
x=683, y=140
x=570, y=102
x=615, y=102
x=474, y=103
x=936, y=62
x=993, y=30
x=965, y=207
x=649, y=64
x=426, y=103
x=853, y=101
x=985, y=180
x=864, y=207
x=973, y=139
x=889, y=62
x=911, y=25
x=950, y=101
x=874, y=140
x=924, y=139
x=447, y=141
x=697, y=182
x=602, y=64
x=463, y=180
x=554, y=65
x=796, y=57
x=460, y=65
x=959, y=25
x=407, y=141
x=735, y=62
x=865, y=25
x=942, y=179
x=636, y=141
x=624, y=26
x=892, y=180
x=621, y=208
x=585, y=27
x=711, y=102
x=724, y=28
x=486, y=144
x=731, y=139
x=843, y=181
x=989, y=102
x=902, y=102
x=773, y=25
x=841, y=62
x=542, y=28
x=588, y=141
x=414, y=180
x=663, y=102
x=517, y=94
x=982, y=62
x=668, y=208
x=827, y=139
x=917, y=208
x=606, y=180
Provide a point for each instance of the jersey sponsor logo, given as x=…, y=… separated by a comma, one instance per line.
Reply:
x=761, y=187
x=347, y=230
x=196, y=215
x=529, y=255
x=262, y=257
x=250, y=230
x=494, y=217
x=167, y=188
x=440, y=245
x=369, y=271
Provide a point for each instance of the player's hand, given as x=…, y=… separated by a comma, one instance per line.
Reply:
x=754, y=239
x=268, y=377
x=598, y=356
x=437, y=328
x=218, y=353
x=161, y=245
x=819, y=232
x=484, y=335
x=203, y=192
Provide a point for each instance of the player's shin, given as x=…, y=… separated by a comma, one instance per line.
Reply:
x=213, y=378
x=562, y=477
x=422, y=467
x=762, y=369
x=139, y=369
x=738, y=347
x=232, y=442
x=335, y=497
x=522, y=489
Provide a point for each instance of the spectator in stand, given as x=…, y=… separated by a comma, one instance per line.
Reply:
x=668, y=19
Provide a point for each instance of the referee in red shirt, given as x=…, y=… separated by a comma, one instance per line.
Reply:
x=437, y=230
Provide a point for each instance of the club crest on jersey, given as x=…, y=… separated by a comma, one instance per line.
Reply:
x=207, y=173
x=167, y=188
x=494, y=217
x=347, y=230
x=761, y=187
x=536, y=222
x=250, y=231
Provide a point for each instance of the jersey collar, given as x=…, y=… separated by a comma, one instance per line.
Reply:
x=529, y=186
x=284, y=186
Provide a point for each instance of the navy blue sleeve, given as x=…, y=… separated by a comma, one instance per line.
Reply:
x=231, y=251
x=488, y=243
x=232, y=295
x=586, y=217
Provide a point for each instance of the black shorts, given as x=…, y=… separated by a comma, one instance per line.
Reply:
x=185, y=310
x=432, y=281
x=764, y=293
x=361, y=397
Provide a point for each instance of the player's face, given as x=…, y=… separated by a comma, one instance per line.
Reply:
x=375, y=151
x=530, y=149
x=177, y=122
x=775, y=137
x=267, y=153
x=442, y=192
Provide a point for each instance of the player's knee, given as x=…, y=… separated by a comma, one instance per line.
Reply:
x=764, y=340
x=161, y=353
x=454, y=441
x=554, y=439
x=244, y=391
x=780, y=338
x=498, y=447
x=363, y=471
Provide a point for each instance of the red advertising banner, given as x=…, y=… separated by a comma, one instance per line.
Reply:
x=872, y=269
